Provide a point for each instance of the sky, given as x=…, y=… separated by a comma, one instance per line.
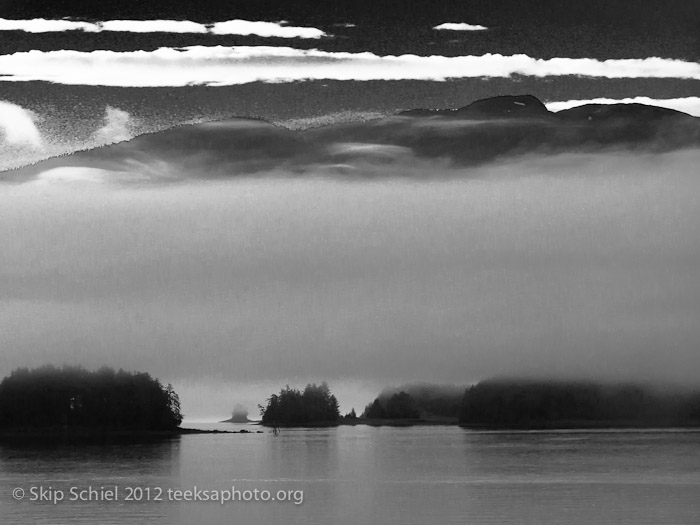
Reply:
x=572, y=265
x=64, y=64
x=386, y=270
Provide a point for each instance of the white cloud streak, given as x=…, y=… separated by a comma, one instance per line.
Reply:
x=265, y=29
x=152, y=26
x=225, y=66
x=17, y=127
x=449, y=26
x=117, y=127
x=41, y=25
x=230, y=27
x=690, y=105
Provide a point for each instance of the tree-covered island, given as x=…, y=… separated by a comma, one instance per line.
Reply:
x=417, y=403
x=69, y=399
x=499, y=403
x=314, y=406
x=532, y=404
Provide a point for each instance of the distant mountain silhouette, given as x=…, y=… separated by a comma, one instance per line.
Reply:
x=607, y=112
x=489, y=129
x=507, y=106
x=256, y=144
x=515, y=125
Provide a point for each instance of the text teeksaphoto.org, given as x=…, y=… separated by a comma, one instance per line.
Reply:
x=136, y=494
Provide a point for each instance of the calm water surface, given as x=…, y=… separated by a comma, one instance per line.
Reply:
x=364, y=475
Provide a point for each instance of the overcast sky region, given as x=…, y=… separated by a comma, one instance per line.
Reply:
x=566, y=265
x=361, y=264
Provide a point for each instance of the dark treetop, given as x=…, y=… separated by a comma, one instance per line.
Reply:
x=75, y=398
x=291, y=407
x=524, y=403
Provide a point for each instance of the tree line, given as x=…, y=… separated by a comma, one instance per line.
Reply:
x=499, y=403
x=416, y=400
x=516, y=403
x=292, y=407
x=69, y=396
x=398, y=406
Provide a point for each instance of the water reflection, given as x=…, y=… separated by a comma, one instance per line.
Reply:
x=313, y=454
x=582, y=456
x=62, y=466
x=364, y=475
x=156, y=457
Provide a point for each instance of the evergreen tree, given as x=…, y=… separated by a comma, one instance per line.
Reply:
x=75, y=397
x=316, y=404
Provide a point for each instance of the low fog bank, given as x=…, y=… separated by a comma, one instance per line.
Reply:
x=424, y=390
x=563, y=266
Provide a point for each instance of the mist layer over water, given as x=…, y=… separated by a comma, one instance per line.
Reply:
x=570, y=265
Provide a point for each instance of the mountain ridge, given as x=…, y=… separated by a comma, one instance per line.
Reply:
x=503, y=126
x=517, y=106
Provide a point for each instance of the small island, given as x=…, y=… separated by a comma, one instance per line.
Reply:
x=50, y=402
x=316, y=406
x=75, y=398
x=313, y=407
x=498, y=404
x=238, y=415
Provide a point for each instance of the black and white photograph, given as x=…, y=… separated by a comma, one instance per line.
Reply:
x=361, y=262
